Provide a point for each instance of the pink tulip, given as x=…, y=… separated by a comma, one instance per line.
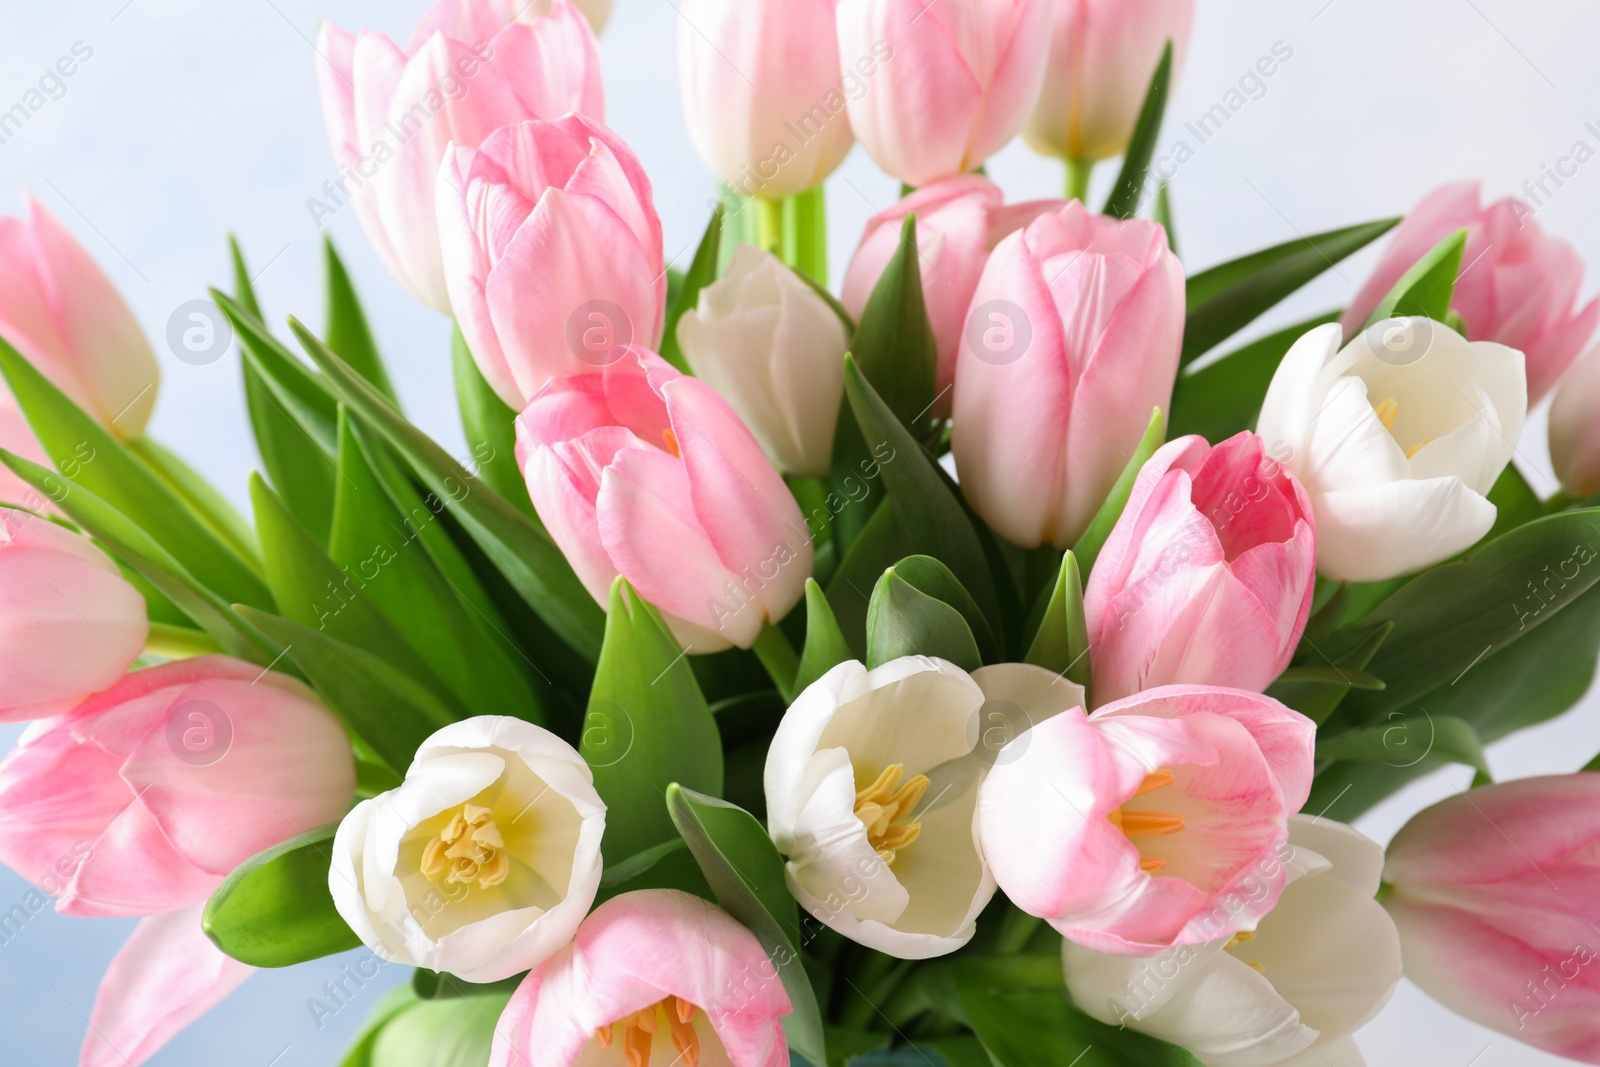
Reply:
x=1103, y=54
x=645, y=472
x=16, y=436
x=1072, y=338
x=1156, y=821
x=1496, y=893
x=955, y=79
x=656, y=976
x=392, y=112
x=59, y=310
x=143, y=798
x=1575, y=428
x=70, y=624
x=1207, y=577
x=552, y=252
x=1518, y=286
x=763, y=94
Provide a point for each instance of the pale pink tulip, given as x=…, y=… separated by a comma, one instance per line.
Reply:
x=1496, y=893
x=143, y=798
x=58, y=308
x=70, y=624
x=763, y=94
x=656, y=976
x=1072, y=338
x=1207, y=577
x=391, y=114
x=552, y=252
x=479, y=20
x=1156, y=821
x=955, y=79
x=16, y=436
x=645, y=472
x=1575, y=427
x=1518, y=285
x=164, y=977
x=1103, y=54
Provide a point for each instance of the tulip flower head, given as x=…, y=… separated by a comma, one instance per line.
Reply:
x=483, y=861
x=1397, y=439
x=1575, y=428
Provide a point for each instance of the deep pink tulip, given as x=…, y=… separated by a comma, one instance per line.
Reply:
x=656, y=976
x=1518, y=285
x=1072, y=338
x=1208, y=575
x=1496, y=893
x=645, y=472
x=143, y=798
x=954, y=81
x=1156, y=821
x=1575, y=428
x=70, y=624
x=552, y=252
x=58, y=308
x=1103, y=54
x=392, y=112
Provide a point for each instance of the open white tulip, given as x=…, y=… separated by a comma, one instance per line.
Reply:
x=871, y=786
x=1397, y=438
x=1320, y=966
x=767, y=342
x=483, y=862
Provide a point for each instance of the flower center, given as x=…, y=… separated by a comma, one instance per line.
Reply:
x=1148, y=823
x=1387, y=412
x=469, y=849
x=670, y=439
x=639, y=1031
x=1241, y=938
x=885, y=806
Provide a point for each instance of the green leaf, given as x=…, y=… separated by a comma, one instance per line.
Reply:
x=491, y=428
x=647, y=725
x=1224, y=397
x=275, y=909
x=669, y=865
x=825, y=647
x=1426, y=288
x=87, y=455
x=1227, y=298
x=389, y=1005
x=745, y=872
x=522, y=551
x=703, y=270
x=1062, y=643
x=348, y=333
x=1129, y=189
x=380, y=704
x=876, y=548
x=894, y=348
x=929, y=576
x=1087, y=550
x=300, y=393
x=208, y=505
x=243, y=287
x=449, y=1032
x=1042, y=1029
x=1163, y=215
x=1515, y=503
x=904, y=621
x=1406, y=741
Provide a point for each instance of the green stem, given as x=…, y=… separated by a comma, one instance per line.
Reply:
x=805, y=234
x=1078, y=172
x=778, y=656
x=179, y=642
x=769, y=224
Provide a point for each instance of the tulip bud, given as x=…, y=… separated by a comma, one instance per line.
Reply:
x=762, y=92
x=391, y=113
x=1519, y=286
x=1208, y=575
x=645, y=472
x=479, y=20
x=1103, y=54
x=145, y=797
x=59, y=310
x=1397, y=439
x=70, y=624
x=1575, y=428
x=774, y=349
x=1494, y=892
x=950, y=81
x=552, y=252
x=1072, y=338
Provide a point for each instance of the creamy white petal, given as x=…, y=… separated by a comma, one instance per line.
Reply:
x=1367, y=535
x=1293, y=397
x=1352, y=856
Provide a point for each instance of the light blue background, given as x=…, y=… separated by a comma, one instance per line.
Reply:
x=196, y=117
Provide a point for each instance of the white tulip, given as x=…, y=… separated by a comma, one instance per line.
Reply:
x=483, y=861
x=775, y=350
x=1320, y=966
x=871, y=786
x=1397, y=438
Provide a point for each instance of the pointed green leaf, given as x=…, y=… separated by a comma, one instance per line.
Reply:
x=894, y=347
x=1062, y=643
x=1087, y=550
x=296, y=389
x=200, y=496
x=1427, y=287
x=275, y=909
x=491, y=428
x=1407, y=741
x=826, y=647
x=348, y=333
x=1129, y=190
x=903, y=621
x=244, y=289
x=1163, y=215
x=703, y=270
x=927, y=575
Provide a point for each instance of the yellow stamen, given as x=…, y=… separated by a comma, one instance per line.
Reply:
x=640, y=1028
x=1387, y=412
x=1151, y=866
x=1240, y=938
x=884, y=808
x=1414, y=449
x=1155, y=780
x=468, y=849
x=1148, y=823
x=671, y=440
x=1256, y=966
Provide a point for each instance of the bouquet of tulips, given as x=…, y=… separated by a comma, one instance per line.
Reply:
x=981, y=666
